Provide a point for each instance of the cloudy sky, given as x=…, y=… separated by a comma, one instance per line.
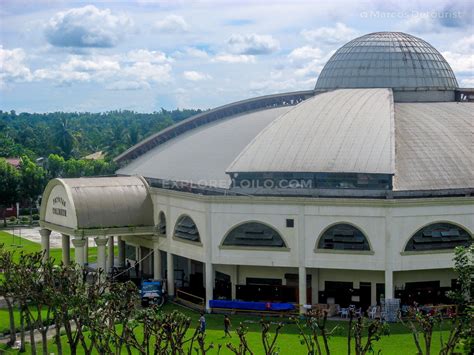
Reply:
x=143, y=55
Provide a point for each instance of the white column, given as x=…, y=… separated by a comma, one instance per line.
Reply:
x=110, y=254
x=170, y=274
x=66, y=249
x=45, y=233
x=234, y=281
x=209, y=270
x=373, y=293
x=86, y=251
x=121, y=252
x=388, y=284
x=189, y=266
x=79, y=256
x=156, y=259
x=101, y=242
x=315, y=286
x=302, y=288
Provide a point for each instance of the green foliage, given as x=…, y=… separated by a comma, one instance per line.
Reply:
x=32, y=179
x=79, y=134
x=72, y=168
x=9, y=181
x=9, y=186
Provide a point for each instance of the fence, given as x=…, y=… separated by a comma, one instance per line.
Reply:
x=190, y=300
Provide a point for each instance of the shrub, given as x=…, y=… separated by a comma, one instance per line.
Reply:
x=36, y=217
x=24, y=219
x=12, y=219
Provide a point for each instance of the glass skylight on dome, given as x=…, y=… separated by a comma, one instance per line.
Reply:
x=387, y=60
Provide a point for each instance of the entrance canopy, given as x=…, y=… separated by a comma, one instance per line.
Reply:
x=98, y=206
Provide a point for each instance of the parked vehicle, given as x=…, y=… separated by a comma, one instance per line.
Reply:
x=151, y=292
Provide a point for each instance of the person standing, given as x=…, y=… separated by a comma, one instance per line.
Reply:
x=227, y=325
x=202, y=324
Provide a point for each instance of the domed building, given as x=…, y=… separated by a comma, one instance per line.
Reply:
x=352, y=193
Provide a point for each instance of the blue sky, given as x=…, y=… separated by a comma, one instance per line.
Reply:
x=143, y=55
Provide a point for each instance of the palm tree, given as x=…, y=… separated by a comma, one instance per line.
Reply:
x=64, y=137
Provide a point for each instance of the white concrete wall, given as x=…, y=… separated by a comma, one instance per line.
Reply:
x=70, y=220
x=444, y=276
x=388, y=225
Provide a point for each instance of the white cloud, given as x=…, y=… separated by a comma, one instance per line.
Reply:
x=460, y=62
x=127, y=85
x=172, y=24
x=80, y=69
x=461, y=59
x=91, y=64
x=135, y=70
x=12, y=66
x=144, y=55
x=143, y=71
x=453, y=15
x=272, y=86
x=61, y=76
x=465, y=44
x=195, y=76
x=310, y=69
x=308, y=61
x=252, y=44
x=467, y=82
x=305, y=52
x=87, y=26
x=196, y=53
x=330, y=35
x=233, y=58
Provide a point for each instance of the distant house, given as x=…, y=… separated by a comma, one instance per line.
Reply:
x=14, y=162
x=100, y=155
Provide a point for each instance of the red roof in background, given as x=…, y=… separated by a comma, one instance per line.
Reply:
x=14, y=161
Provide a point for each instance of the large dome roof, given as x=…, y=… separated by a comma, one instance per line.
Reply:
x=387, y=60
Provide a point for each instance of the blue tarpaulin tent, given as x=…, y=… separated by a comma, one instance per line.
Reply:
x=253, y=306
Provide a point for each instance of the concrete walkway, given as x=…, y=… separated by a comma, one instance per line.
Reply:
x=32, y=234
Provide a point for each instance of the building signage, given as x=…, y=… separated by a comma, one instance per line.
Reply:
x=59, y=202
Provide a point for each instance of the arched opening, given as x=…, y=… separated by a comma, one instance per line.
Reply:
x=438, y=236
x=254, y=234
x=162, y=224
x=343, y=236
x=186, y=229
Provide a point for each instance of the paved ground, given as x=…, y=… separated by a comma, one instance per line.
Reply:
x=32, y=233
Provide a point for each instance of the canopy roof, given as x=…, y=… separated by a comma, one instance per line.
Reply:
x=88, y=204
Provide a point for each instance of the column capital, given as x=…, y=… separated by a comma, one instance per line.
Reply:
x=78, y=242
x=101, y=241
x=45, y=232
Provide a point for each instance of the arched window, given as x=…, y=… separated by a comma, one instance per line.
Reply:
x=254, y=234
x=343, y=236
x=162, y=224
x=186, y=229
x=438, y=236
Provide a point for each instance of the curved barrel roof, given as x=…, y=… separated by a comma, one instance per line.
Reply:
x=201, y=155
x=347, y=130
x=104, y=202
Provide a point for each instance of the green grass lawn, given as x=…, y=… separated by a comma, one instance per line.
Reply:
x=17, y=243
x=22, y=244
x=399, y=341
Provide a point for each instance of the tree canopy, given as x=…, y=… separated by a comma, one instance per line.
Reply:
x=75, y=135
